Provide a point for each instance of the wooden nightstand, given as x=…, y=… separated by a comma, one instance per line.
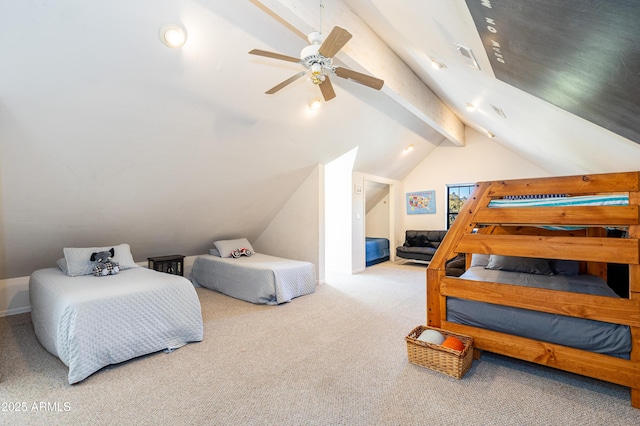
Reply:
x=172, y=264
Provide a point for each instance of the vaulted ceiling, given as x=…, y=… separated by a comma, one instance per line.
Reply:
x=107, y=134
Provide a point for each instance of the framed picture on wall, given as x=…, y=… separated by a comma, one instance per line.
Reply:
x=422, y=202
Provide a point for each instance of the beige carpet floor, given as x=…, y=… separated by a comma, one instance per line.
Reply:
x=335, y=357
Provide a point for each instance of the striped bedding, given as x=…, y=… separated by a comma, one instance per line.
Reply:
x=562, y=201
x=583, y=200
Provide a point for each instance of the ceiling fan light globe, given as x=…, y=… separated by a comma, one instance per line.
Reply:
x=310, y=50
x=315, y=38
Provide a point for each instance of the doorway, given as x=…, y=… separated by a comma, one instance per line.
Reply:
x=377, y=215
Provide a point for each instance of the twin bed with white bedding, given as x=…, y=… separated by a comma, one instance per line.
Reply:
x=253, y=277
x=91, y=322
x=260, y=278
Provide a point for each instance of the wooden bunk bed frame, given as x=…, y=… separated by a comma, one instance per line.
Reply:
x=515, y=232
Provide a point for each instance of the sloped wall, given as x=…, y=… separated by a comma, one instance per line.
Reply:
x=297, y=231
x=377, y=219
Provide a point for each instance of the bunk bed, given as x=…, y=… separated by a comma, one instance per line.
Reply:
x=557, y=228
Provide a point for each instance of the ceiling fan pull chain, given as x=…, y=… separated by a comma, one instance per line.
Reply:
x=321, y=14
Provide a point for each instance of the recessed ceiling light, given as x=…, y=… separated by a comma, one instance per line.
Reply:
x=409, y=148
x=471, y=107
x=315, y=104
x=172, y=35
x=490, y=135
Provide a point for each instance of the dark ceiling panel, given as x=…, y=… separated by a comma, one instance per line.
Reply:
x=581, y=55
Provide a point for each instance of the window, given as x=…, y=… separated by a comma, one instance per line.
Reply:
x=456, y=196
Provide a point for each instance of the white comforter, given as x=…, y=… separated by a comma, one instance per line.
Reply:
x=91, y=322
x=259, y=278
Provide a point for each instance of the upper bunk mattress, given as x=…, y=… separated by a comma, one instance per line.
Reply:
x=595, y=336
x=582, y=200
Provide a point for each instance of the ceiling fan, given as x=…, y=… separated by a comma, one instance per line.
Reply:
x=317, y=58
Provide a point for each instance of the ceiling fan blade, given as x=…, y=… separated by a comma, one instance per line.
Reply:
x=358, y=77
x=327, y=89
x=337, y=38
x=274, y=55
x=288, y=81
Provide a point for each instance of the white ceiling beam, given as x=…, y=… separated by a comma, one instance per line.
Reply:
x=366, y=52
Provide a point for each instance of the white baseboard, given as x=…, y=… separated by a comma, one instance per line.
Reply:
x=14, y=296
x=16, y=311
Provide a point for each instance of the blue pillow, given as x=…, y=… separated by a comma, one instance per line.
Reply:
x=479, y=260
x=528, y=265
x=565, y=267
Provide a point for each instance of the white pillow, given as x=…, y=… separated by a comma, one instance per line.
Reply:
x=479, y=260
x=62, y=264
x=78, y=260
x=225, y=247
x=214, y=252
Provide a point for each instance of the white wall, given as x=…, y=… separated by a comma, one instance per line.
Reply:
x=481, y=159
x=297, y=231
x=345, y=213
x=377, y=219
x=339, y=212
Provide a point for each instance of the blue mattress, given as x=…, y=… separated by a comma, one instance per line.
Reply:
x=377, y=250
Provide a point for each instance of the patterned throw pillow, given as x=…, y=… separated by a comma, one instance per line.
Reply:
x=227, y=247
x=241, y=252
x=104, y=269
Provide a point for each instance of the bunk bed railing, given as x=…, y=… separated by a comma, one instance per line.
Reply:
x=601, y=308
x=573, y=185
x=593, y=249
x=577, y=216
